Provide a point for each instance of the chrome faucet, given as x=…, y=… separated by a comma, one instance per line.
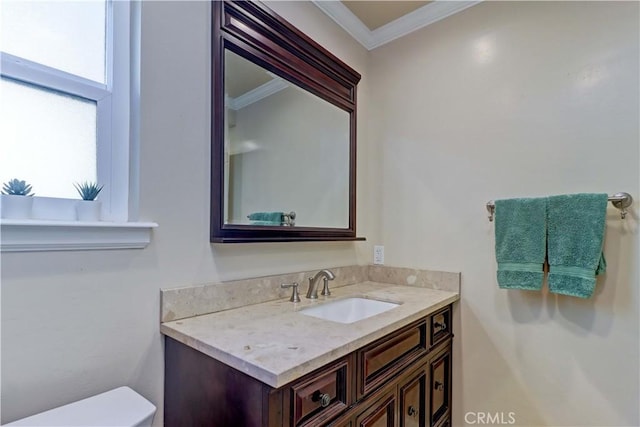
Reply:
x=312, y=292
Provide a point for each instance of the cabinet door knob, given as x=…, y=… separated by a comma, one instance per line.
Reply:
x=438, y=386
x=324, y=398
x=411, y=411
x=441, y=326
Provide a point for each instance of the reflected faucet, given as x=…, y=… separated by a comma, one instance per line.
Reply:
x=312, y=292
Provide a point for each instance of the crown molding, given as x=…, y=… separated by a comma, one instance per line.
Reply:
x=419, y=18
x=347, y=20
x=255, y=95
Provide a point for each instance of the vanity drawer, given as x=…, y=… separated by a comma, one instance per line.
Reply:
x=440, y=326
x=384, y=358
x=321, y=396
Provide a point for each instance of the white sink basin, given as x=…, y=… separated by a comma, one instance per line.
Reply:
x=348, y=310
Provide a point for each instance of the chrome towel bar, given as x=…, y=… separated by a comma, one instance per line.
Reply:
x=620, y=200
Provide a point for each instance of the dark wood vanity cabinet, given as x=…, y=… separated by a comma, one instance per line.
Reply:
x=402, y=379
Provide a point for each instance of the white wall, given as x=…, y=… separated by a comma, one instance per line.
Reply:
x=505, y=99
x=516, y=99
x=79, y=323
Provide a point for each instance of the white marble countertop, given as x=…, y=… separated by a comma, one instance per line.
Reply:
x=275, y=344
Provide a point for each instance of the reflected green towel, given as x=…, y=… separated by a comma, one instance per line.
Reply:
x=270, y=217
x=520, y=242
x=576, y=235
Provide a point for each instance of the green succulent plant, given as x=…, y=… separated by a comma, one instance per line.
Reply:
x=17, y=187
x=88, y=190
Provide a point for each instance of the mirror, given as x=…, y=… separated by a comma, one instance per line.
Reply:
x=286, y=150
x=283, y=132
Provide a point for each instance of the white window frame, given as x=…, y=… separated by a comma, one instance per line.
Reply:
x=117, y=103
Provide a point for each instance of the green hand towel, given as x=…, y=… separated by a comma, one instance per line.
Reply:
x=576, y=234
x=273, y=217
x=520, y=242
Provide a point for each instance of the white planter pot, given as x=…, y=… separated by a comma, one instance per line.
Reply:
x=48, y=208
x=89, y=210
x=16, y=207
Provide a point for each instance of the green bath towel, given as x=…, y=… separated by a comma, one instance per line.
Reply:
x=520, y=242
x=576, y=225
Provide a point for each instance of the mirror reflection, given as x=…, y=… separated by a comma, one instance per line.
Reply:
x=286, y=152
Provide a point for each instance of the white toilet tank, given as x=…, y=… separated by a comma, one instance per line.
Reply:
x=121, y=407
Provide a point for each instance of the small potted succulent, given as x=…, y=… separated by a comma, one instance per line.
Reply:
x=88, y=209
x=16, y=199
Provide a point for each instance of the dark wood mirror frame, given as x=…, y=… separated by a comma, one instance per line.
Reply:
x=253, y=31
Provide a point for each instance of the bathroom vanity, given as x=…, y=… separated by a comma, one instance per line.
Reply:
x=269, y=364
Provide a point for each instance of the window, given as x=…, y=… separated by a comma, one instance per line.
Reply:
x=68, y=96
x=64, y=115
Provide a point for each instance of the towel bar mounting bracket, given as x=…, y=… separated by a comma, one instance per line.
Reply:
x=621, y=201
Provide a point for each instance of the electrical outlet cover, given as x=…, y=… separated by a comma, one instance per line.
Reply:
x=378, y=255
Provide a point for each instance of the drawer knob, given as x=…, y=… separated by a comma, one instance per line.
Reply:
x=411, y=411
x=438, y=386
x=441, y=326
x=323, y=398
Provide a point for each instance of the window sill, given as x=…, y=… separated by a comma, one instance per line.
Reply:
x=24, y=235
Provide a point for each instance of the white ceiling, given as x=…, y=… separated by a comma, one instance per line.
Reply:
x=389, y=19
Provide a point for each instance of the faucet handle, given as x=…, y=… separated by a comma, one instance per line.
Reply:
x=295, y=296
x=325, y=288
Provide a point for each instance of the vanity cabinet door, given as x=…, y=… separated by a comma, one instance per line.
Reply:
x=440, y=385
x=413, y=399
x=381, y=414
